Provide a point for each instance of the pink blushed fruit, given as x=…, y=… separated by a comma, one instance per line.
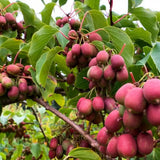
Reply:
x=122, y=91
x=53, y=143
x=109, y=73
x=151, y=91
x=13, y=93
x=113, y=122
x=13, y=69
x=98, y=103
x=103, y=136
x=76, y=50
x=126, y=146
x=94, y=36
x=134, y=100
x=102, y=57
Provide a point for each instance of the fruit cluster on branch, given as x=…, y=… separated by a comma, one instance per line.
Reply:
x=16, y=84
x=8, y=22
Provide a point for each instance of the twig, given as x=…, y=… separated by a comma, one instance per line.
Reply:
x=64, y=35
x=93, y=142
x=15, y=58
x=4, y=9
x=121, y=18
x=34, y=112
x=80, y=28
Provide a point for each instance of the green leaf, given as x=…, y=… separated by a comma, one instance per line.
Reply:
x=62, y=2
x=12, y=8
x=46, y=12
x=36, y=149
x=4, y=119
x=39, y=41
x=80, y=82
x=61, y=39
x=155, y=57
x=118, y=38
x=3, y=156
x=12, y=44
x=43, y=65
x=27, y=12
x=133, y=3
x=140, y=36
x=93, y=4
x=148, y=20
x=17, y=153
x=95, y=19
x=48, y=92
x=59, y=99
x=84, y=154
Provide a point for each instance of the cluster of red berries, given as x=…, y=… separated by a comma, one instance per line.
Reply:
x=141, y=109
x=11, y=127
x=8, y=22
x=74, y=24
x=16, y=83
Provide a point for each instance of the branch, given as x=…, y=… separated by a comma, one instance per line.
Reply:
x=110, y=12
x=121, y=18
x=34, y=112
x=93, y=142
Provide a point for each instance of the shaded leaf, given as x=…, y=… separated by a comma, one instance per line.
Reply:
x=62, y=2
x=133, y=3
x=80, y=82
x=39, y=41
x=46, y=12
x=118, y=38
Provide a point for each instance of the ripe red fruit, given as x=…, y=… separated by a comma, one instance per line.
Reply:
x=109, y=104
x=95, y=73
x=153, y=112
x=75, y=24
x=84, y=143
x=2, y=90
x=122, y=91
x=92, y=84
x=144, y=143
x=70, y=61
x=52, y=154
x=13, y=69
x=26, y=69
x=102, y=57
x=117, y=62
x=65, y=20
x=94, y=36
x=82, y=61
x=113, y=122
x=53, y=143
x=13, y=93
x=79, y=101
x=98, y=103
x=126, y=146
x=111, y=149
x=94, y=51
x=98, y=118
x=70, y=78
x=93, y=62
x=91, y=116
x=59, y=151
x=122, y=75
x=59, y=22
x=85, y=106
x=134, y=100
x=86, y=49
x=10, y=18
x=20, y=27
x=7, y=82
x=131, y=120
x=151, y=91
x=30, y=90
x=76, y=50
x=72, y=34
x=22, y=85
x=103, y=136
x=109, y=73
x=102, y=149
x=70, y=147
x=2, y=21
